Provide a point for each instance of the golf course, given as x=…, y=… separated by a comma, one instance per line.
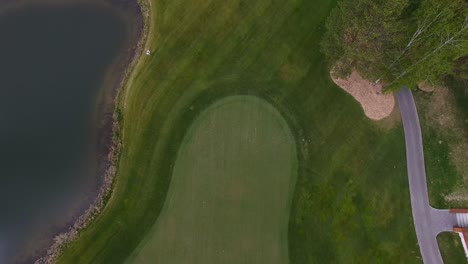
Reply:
x=237, y=147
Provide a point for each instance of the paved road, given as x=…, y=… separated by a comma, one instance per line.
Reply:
x=428, y=221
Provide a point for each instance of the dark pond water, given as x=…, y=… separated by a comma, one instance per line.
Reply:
x=54, y=62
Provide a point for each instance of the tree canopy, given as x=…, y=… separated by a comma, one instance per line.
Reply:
x=399, y=42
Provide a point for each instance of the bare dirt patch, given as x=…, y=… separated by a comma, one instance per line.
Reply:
x=426, y=87
x=374, y=102
x=442, y=109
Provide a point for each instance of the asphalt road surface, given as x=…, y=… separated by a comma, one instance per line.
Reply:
x=428, y=221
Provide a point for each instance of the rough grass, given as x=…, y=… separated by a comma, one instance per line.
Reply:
x=444, y=126
x=229, y=198
x=451, y=248
x=442, y=131
x=351, y=203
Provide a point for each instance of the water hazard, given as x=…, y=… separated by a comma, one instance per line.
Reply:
x=54, y=62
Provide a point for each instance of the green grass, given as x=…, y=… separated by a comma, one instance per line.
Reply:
x=351, y=203
x=442, y=174
x=461, y=94
x=451, y=248
x=229, y=198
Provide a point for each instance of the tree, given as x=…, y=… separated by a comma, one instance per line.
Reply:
x=399, y=42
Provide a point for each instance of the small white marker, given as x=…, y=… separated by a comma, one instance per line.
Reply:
x=148, y=52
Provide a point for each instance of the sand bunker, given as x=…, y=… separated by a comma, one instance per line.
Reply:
x=376, y=105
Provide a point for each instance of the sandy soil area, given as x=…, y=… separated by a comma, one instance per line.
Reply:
x=375, y=104
x=426, y=87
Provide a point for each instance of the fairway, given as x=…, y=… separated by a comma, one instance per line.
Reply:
x=229, y=197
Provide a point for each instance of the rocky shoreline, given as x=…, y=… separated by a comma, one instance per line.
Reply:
x=109, y=141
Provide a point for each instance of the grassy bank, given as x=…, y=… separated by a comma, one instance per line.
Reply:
x=351, y=202
x=445, y=146
x=443, y=115
x=451, y=248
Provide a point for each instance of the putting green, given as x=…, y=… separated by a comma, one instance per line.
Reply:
x=230, y=194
